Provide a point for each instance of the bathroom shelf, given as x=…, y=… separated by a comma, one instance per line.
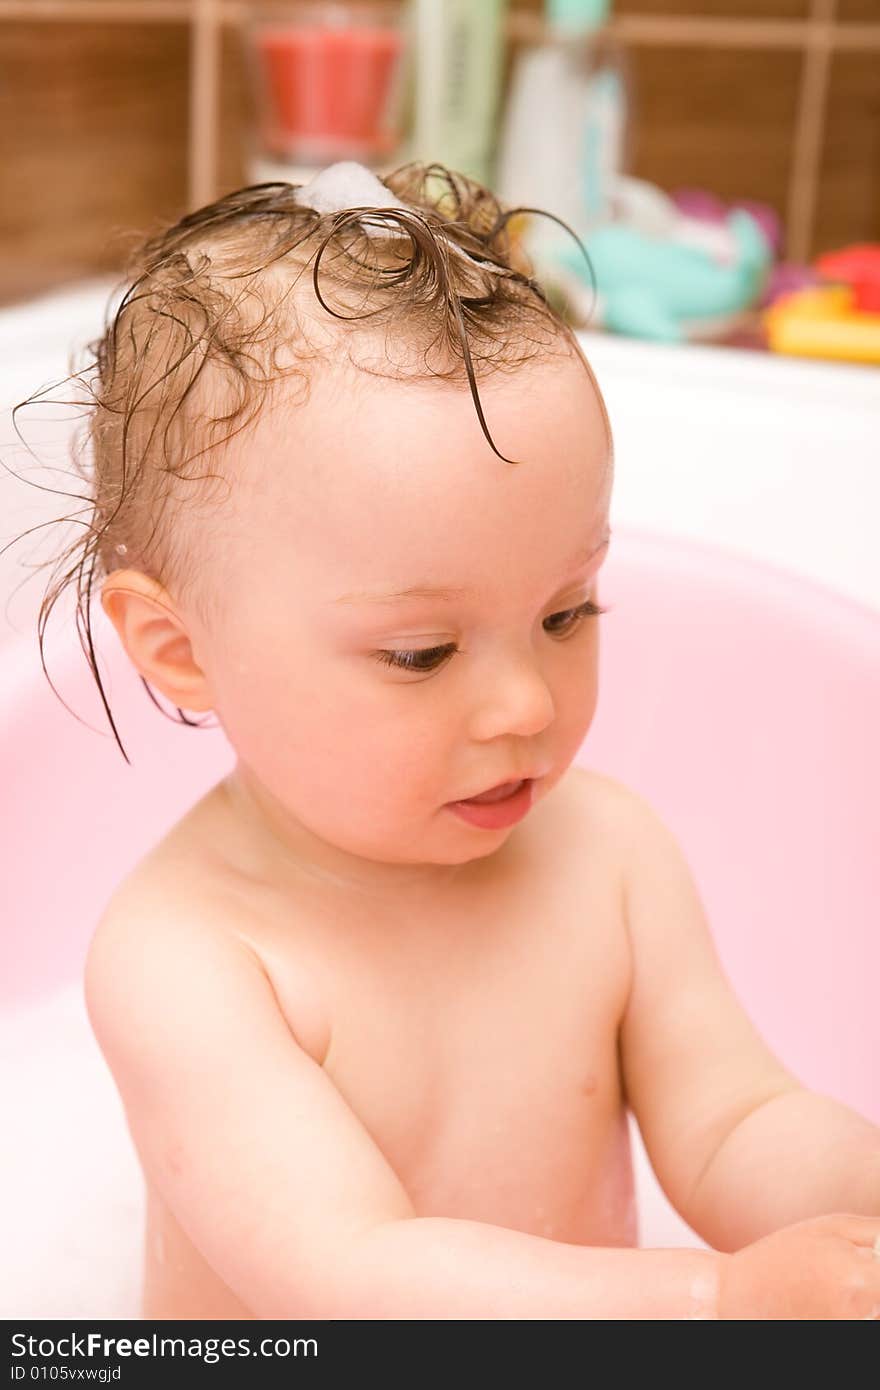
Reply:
x=683, y=31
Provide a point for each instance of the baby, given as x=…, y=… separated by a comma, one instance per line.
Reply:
x=378, y=1005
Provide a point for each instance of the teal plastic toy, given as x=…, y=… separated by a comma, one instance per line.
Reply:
x=655, y=288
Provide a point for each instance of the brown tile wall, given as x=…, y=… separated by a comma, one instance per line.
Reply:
x=93, y=120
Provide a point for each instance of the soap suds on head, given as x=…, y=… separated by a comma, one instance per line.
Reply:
x=348, y=184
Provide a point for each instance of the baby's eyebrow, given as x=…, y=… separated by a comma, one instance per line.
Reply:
x=418, y=591
x=425, y=592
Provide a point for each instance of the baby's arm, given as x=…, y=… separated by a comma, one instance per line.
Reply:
x=822, y=1155
x=739, y=1145
x=276, y=1180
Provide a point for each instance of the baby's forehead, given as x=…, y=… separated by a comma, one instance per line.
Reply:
x=368, y=412
x=367, y=481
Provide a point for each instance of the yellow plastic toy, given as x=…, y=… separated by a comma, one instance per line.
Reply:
x=821, y=321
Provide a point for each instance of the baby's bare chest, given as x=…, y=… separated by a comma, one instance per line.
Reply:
x=481, y=1054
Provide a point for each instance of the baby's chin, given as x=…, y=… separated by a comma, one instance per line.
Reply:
x=444, y=860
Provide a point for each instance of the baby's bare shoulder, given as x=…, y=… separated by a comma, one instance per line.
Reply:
x=633, y=824
x=162, y=919
x=610, y=826
x=174, y=934
x=601, y=805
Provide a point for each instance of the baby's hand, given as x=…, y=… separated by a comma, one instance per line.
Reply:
x=825, y=1267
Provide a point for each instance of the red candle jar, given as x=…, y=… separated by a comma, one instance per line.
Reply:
x=329, y=80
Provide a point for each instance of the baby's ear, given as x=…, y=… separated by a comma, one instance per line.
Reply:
x=153, y=634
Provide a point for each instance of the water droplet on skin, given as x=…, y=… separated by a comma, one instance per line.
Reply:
x=704, y=1292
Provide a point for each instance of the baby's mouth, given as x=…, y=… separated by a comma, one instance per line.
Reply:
x=498, y=793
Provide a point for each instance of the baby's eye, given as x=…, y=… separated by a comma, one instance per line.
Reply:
x=574, y=616
x=426, y=659
x=430, y=658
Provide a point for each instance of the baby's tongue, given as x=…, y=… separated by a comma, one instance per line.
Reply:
x=498, y=794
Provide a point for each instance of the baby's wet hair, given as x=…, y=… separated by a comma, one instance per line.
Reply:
x=209, y=326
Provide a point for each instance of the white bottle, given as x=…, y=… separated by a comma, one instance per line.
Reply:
x=561, y=143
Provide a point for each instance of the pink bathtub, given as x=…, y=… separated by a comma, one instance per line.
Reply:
x=740, y=700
